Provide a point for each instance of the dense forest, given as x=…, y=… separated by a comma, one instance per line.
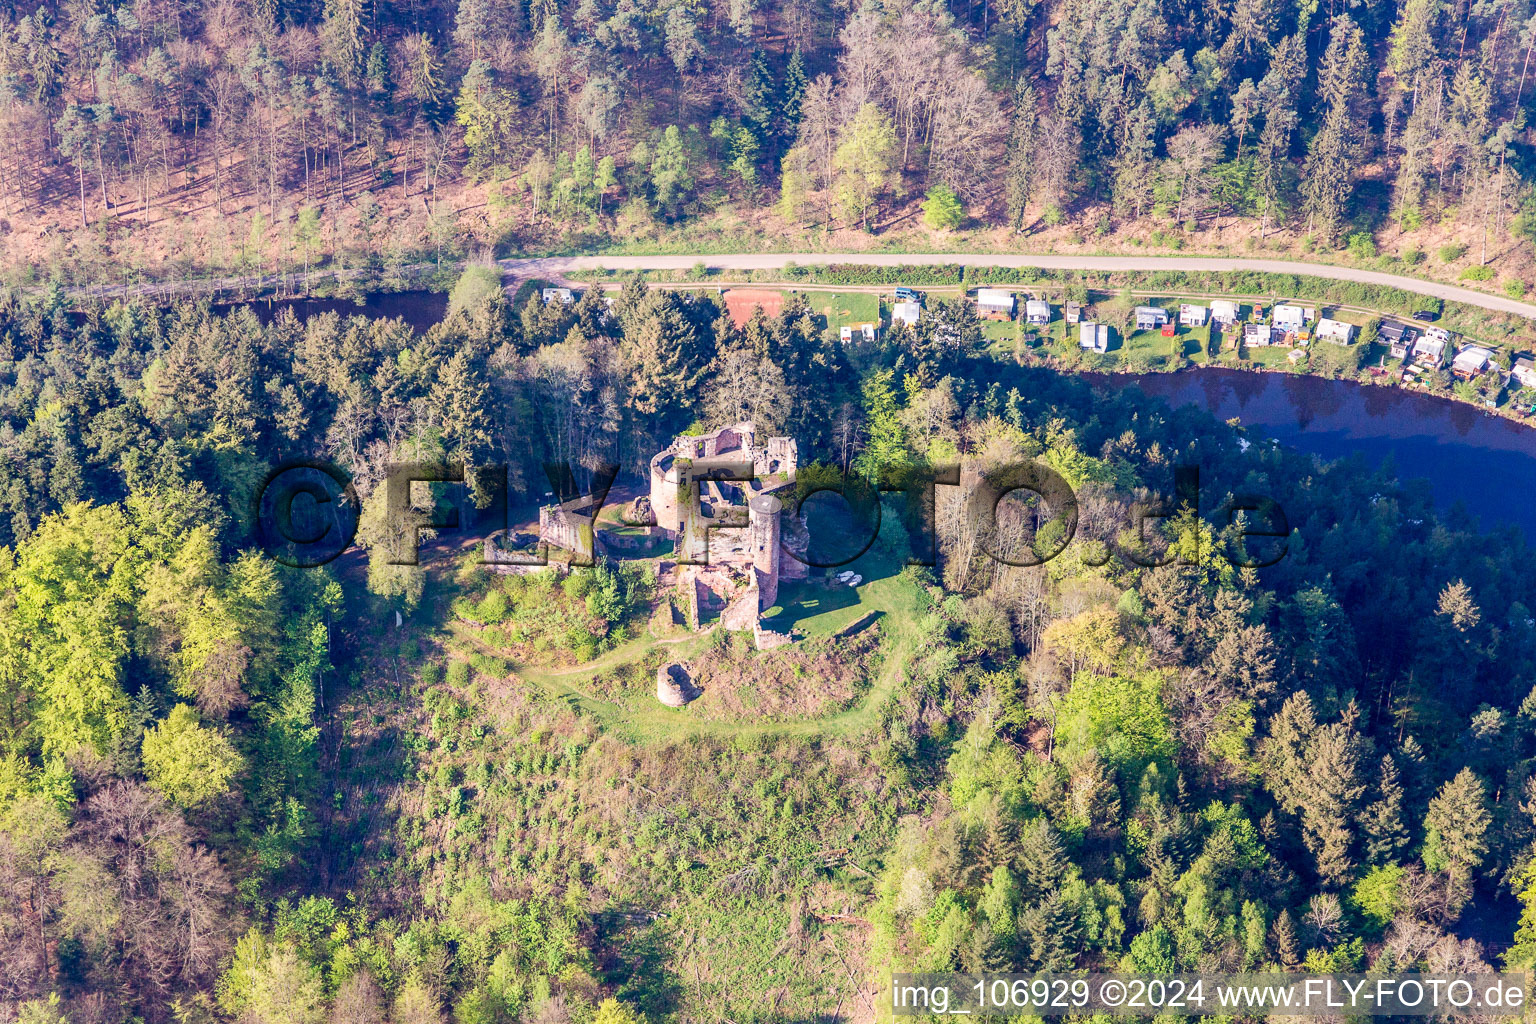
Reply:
x=278, y=134
x=236, y=791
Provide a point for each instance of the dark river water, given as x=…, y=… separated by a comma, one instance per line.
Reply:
x=420, y=309
x=1486, y=462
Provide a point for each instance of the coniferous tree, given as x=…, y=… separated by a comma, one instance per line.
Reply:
x=1384, y=828
x=1019, y=176
x=1456, y=829
x=1283, y=940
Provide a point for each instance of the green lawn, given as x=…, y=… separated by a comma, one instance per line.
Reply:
x=842, y=309
x=1277, y=356
x=1148, y=345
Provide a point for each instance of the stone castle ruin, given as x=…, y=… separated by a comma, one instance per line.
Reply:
x=721, y=498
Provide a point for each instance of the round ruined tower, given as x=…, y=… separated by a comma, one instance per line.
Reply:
x=763, y=520
x=666, y=474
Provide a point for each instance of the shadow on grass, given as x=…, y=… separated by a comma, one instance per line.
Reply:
x=799, y=603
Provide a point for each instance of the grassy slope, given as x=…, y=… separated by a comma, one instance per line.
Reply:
x=897, y=601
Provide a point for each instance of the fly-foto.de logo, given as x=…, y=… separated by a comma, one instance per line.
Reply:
x=1020, y=514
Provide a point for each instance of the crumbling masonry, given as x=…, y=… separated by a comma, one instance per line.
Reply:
x=721, y=497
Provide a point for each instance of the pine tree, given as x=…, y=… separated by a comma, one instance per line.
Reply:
x=1386, y=832
x=1282, y=939
x=758, y=96
x=1019, y=176
x=1456, y=828
x=791, y=93
x=1050, y=931
x=1042, y=860
x=1331, y=799
x=1284, y=753
x=1134, y=179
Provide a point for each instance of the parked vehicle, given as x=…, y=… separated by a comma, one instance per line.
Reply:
x=1429, y=316
x=905, y=294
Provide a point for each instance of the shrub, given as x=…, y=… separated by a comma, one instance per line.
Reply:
x=1361, y=245
x=1052, y=216
x=941, y=209
x=478, y=285
x=1413, y=256
x=458, y=674
x=490, y=665
x=1514, y=288
x=493, y=607
x=1451, y=252
x=1478, y=273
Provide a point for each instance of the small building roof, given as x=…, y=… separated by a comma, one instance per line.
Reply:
x=906, y=312
x=994, y=297
x=1427, y=346
x=1150, y=311
x=1335, y=330
x=1224, y=308
x=1472, y=359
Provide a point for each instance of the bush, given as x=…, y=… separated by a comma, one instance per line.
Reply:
x=1052, y=216
x=1478, y=273
x=1514, y=288
x=489, y=665
x=478, y=285
x=941, y=209
x=1413, y=256
x=493, y=608
x=1451, y=252
x=1361, y=245
x=458, y=673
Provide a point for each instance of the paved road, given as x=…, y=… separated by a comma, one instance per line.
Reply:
x=554, y=267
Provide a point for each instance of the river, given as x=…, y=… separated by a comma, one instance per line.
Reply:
x=419, y=309
x=1486, y=462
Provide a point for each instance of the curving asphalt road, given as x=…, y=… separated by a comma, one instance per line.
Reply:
x=555, y=267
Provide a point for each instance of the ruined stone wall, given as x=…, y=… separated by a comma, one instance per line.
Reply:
x=568, y=530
